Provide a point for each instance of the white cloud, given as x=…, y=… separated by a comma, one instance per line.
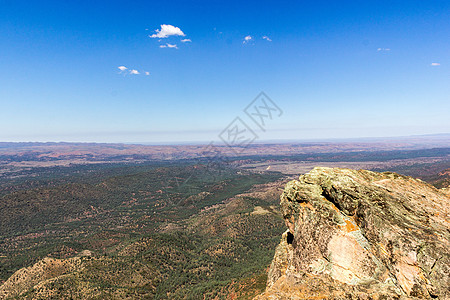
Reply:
x=186, y=40
x=125, y=71
x=265, y=37
x=166, y=31
x=435, y=64
x=383, y=49
x=168, y=46
x=247, y=39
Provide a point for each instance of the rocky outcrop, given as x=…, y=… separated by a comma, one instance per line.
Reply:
x=361, y=235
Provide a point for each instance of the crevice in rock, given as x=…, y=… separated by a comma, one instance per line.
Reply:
x=433, y=295
x=434, y=264
x=329, y=198
x=289, y=238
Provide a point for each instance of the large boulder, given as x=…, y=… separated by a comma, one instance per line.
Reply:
x=361, y=235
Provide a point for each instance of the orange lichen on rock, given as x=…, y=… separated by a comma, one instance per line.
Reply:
x=350, y=226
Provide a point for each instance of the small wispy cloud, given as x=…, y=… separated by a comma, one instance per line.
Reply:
x=265, y=37
x=125, y=71
x=169, y=46
x=383, y=49
x=435, y=64
x=247, y=39
x=166, y=31
x=186, y=40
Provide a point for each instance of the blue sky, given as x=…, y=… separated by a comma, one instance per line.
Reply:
x=337, y=69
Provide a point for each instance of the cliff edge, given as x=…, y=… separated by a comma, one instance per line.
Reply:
x=362, y=235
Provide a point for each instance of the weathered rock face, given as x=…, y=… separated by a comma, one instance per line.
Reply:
x=362, y=235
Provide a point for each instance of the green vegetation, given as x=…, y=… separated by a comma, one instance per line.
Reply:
x=178, y=230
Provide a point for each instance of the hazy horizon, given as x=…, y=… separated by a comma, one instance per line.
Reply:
x=436, y=136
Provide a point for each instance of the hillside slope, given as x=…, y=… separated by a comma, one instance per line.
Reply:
x=221, y=251
x=361, y=235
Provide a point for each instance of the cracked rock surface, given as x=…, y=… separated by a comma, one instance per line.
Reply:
x=362, y=235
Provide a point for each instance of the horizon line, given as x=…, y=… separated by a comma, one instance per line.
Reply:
x=266, y=141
